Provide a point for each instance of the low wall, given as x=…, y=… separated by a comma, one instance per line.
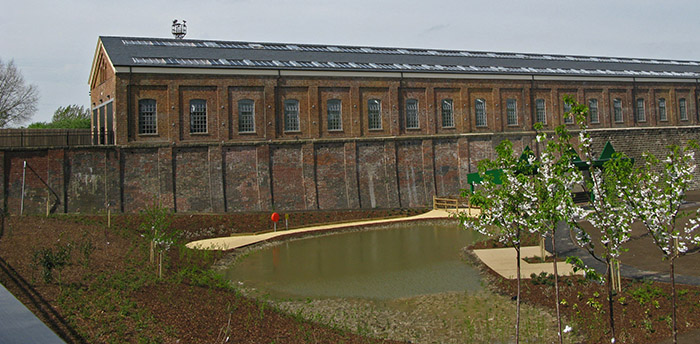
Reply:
x=286, y=175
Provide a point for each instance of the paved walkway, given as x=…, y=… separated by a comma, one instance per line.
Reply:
x=238, y=241
x=19, y=325
x=502, y=261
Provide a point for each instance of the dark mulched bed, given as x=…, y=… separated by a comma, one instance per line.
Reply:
x=112, y=295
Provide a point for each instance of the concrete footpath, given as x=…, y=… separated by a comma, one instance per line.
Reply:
x=19, y=325
x=238, y=241
x=502, y=261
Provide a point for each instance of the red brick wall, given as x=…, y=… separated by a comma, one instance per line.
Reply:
x=347, y=173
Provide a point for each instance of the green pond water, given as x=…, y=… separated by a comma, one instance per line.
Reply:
x=397, y=261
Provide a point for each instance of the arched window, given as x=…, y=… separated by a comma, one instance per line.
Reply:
x=512, y=111
x=682, y=109
x=593, y=110
x=641, y=116
x=335, y=118
x=540, y=111
x=480, y=112
x=374, y=114
x=448, y=118
x=147, y=116
x=412, y=114
x=662, y=110
x=246, y=116
x=617, y=109
x=198, y=116
x=291, y=115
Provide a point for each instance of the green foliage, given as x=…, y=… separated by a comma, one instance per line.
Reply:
x=66, y=117
x=156, y=226
x=646, y=293
x=50, y=260
x=542, y=279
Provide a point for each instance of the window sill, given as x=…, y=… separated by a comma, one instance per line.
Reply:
x=335, y=130
x=247, y=133
x=448, y=127
x=292, y=131
x=375, y=129
x=148, y=135
x=414, y=129
x=199, y=134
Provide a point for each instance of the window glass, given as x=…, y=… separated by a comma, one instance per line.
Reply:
x=593, y=110
x=540, y=111
x=291, y=115
x=662, y=110
x=147, y=116
x=682, y=109
x=568, y=118
x=448, y=120
x=412, y=114
x=246, y=116
x=198, y=116
x=335, y=121
x=480, y=112
x=511, y=111
x=617, y=109
x=641, y=116
x=374, y=113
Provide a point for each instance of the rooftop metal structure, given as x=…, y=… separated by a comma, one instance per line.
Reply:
x=162, y=52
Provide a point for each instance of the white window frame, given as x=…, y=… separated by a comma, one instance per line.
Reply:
x=541, y=111
x=246, y=116
x=148, y=117
x=412, y=120
x=480, y=113
x=593, y=110
x=374, y=114
x=512, y=111
x=617, y=110
x=291, y=116
x=198, y=116
x=448, y=115
x=641, y=111
x=334, y=111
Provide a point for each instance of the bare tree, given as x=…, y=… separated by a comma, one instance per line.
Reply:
x=17, y=100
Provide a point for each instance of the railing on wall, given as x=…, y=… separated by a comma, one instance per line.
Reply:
x=45, y=137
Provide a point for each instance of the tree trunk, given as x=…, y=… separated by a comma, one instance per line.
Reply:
x=517, y=299
x=556, y=288
x=610, y=298
x=673, y=298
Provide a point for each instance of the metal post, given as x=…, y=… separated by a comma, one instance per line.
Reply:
x=24, y=174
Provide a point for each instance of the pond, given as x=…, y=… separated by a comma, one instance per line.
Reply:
x=393, y=261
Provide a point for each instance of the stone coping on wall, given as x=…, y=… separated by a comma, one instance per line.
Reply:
x=339, y=140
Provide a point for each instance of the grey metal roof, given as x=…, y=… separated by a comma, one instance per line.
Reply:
x=163, y=52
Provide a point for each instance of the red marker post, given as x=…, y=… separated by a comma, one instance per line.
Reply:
x=275, y=218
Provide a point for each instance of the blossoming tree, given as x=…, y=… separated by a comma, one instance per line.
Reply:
x=555, y=178
x=608, y=213
x=655, y=197
x=506, y=199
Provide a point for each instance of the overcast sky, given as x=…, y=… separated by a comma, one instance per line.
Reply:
x=53, y=42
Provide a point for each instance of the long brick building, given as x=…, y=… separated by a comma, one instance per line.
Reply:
x=214, y=126
x=186, y=91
